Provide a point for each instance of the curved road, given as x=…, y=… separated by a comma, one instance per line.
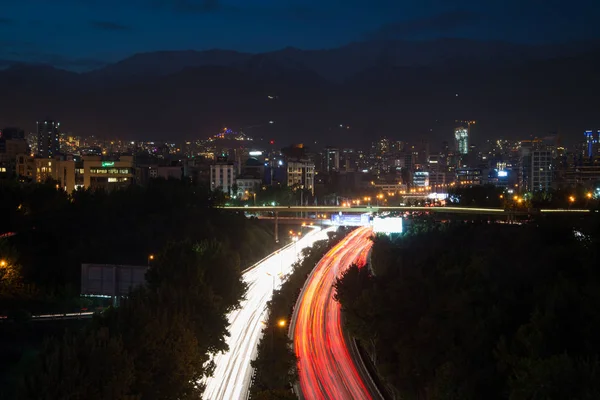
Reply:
x=231, y=378
x=326, y=368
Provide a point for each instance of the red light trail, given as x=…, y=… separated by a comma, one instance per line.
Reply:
x=326, y=369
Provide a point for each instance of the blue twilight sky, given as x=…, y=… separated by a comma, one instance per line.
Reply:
x=82, y=34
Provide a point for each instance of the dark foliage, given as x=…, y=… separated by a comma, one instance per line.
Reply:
x=482, y=311
x=157, y=344
x=275, y=364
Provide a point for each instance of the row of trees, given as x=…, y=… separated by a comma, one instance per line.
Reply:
x=53, y=233
x=492, y=196
x=157, y=344
x=482, y=311
x=275, y=364
x=161, y=336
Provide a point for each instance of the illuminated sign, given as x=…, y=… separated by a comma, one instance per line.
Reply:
x=387, y=225
x=350, y=219
x=108, y=163
x=255, y=153
x=502, y=174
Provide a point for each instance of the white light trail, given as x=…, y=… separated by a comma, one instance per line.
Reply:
x=231, y=378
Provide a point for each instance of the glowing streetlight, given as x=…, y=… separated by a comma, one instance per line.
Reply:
x=2, y=263
x=281, y=323
x=588, y=195
x=572, y=199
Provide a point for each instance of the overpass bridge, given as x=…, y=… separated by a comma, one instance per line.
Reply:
x=321, y=212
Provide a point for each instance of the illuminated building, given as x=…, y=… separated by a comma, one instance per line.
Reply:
x=541, y=170
x=222, y=176
x=332, y=159
x=461, y=137
x=592, y=143
x=535, y=165
x=468, y=176
x=40, y=170
x=108, y=174
x=420, y=179
x=301, y=174
x=48, y=144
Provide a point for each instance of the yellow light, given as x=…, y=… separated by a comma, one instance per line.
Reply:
x=588, y=195
x=304, y=224
x=572, y=199
x=281, y=323
x=515, y=198
x=151, y=257
x=2, y=263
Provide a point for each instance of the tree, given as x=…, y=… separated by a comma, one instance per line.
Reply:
x=94, y=366
x=456, y=321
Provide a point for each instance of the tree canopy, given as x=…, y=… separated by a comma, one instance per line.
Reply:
x=482, y=311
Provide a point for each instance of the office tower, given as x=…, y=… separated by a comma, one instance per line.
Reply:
x=541, y=170
x=301, y=175
x=461, y=137
x=48, y=144
x=332, y=159
x=591, y=143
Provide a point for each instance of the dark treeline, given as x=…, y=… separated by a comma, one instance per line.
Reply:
x=158, y=342
x=275, y=365
x=482, y=311
x=492, y=196
x=56, y=233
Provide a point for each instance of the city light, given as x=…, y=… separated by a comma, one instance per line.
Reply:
x=281, y=323
x=572, y=199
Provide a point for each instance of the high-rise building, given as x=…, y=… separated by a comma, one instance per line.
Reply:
x=461, y=137
x=48, y=144
x=301, y=174
x=592, y=143
x=222, y=176
x=541, y=170
x=332, y=159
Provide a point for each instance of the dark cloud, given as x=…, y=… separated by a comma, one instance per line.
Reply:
x=438, y=24
x=6, y=21
x=109, y=26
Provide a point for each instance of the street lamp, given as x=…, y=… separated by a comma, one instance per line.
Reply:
x=2, y=263
x=150, y=258
x=281, y=323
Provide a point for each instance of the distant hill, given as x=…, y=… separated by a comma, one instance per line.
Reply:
x=396, y=88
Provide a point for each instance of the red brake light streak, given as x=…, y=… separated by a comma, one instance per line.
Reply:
x=326, y=369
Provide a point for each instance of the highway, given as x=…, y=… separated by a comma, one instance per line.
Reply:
x=231, y=378
x=326, y=369
x=377, y=209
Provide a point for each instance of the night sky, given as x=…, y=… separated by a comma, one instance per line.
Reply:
x=84, y=34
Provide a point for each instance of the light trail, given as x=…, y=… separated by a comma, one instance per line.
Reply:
x=231, y=378
x=325, y=367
